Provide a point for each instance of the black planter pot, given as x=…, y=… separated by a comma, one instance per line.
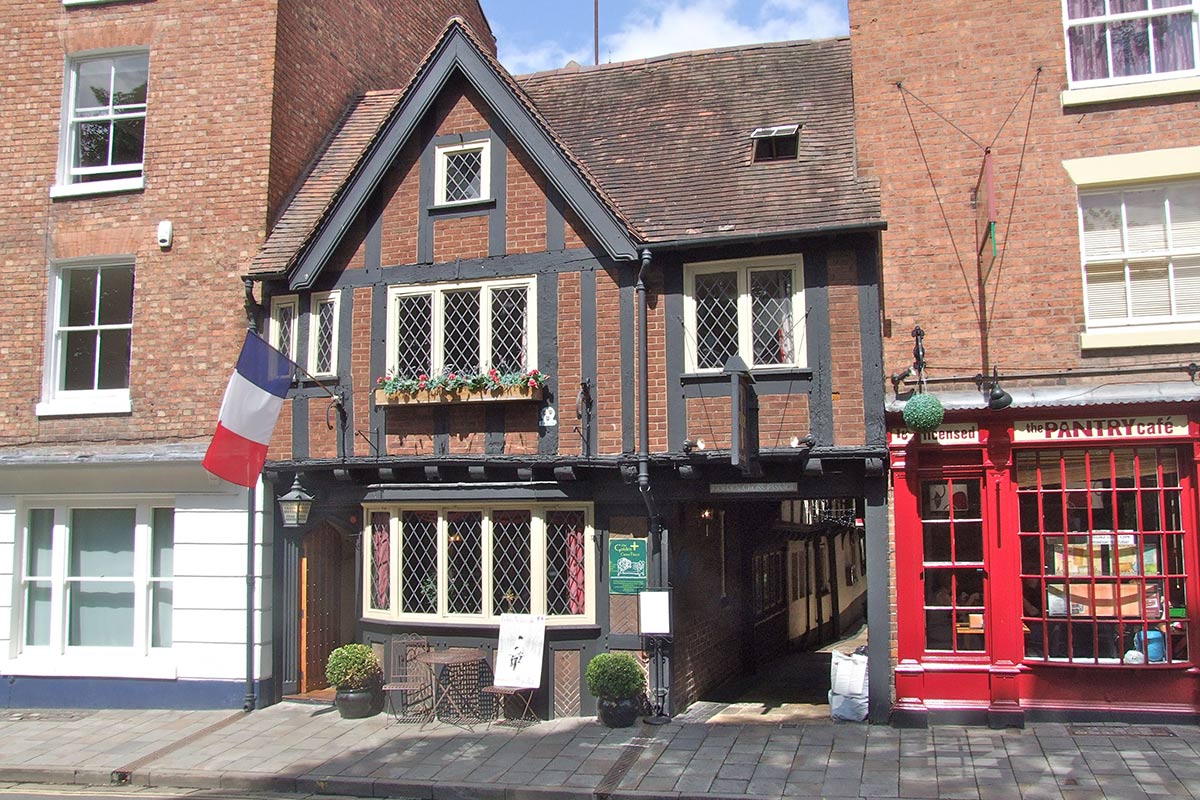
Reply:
x=617, y=713
x=358, y=703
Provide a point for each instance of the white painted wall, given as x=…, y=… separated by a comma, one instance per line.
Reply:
x=209, y=615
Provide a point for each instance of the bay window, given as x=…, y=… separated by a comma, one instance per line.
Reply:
x=97, y=576
x=474, y=563
x=462, y=328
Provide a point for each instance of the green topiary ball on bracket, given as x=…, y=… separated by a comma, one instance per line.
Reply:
x=923, y=412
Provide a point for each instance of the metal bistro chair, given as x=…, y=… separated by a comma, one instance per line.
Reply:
x=408, y=687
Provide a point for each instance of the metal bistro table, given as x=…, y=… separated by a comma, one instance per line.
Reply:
x=454, y=675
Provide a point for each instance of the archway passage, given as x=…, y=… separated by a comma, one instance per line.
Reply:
x=326, y=604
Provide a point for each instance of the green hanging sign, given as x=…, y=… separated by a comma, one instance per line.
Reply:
x=628, y=566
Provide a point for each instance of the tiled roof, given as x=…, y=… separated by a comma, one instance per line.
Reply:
x=669, y=138
x=664, y=142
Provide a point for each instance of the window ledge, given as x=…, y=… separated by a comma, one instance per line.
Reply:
x=462, y=205
x=1130, y=91
x=85, y=405
x=92, y=663
x=1150, y=336
x=60, y=190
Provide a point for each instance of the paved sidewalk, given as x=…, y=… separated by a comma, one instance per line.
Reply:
x=305, y=748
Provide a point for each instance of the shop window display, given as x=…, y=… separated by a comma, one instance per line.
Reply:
x=1103, y=568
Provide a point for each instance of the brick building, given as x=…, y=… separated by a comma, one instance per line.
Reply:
x=1038, y=173
x=595, y=226
x=149, y=147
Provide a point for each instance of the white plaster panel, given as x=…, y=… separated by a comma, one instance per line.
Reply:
x=211, y=660
x=209, y=525
x=221, y=626
x=197, y=593
x=217, y=560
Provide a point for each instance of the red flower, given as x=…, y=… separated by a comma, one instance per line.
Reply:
x=532, y=383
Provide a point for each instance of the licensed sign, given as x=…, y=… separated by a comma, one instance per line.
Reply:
x=628, y=566
x=950, y=433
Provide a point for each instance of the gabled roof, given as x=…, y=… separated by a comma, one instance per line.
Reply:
x=669, y=138
x=378, y=127
x=653, y=151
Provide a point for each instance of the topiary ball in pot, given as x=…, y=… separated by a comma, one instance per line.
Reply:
x=619, y=683
x=923, y=412
x=356, y=672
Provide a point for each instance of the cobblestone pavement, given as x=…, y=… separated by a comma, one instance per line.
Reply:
x=293, y=747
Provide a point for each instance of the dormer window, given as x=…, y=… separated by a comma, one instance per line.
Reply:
x=776, y=143
x=462, y=174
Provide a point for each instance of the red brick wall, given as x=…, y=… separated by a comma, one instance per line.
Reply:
x=611, y=374
x=187, y=315
x=656, y=361
x=360, y=369
x=401, y=209
x=845, y=364
x=782, y=416
x=971, y=67
x=569, y=364
x=329, y=52
x=207, y=170
x=460, y=237
x=526, y=202
x=409, y=431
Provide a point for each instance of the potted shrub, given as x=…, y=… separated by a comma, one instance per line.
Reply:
x=356, y=672
x=619, y=684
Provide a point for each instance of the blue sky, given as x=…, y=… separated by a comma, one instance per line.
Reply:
x=535, y=35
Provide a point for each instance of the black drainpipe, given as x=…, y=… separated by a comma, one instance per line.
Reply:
x=657, y=534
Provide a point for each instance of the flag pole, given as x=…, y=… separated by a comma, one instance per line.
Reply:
x=249, y=702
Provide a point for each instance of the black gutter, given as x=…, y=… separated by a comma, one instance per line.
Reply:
x=819, y=230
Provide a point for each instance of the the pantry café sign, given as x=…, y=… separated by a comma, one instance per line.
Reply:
x=1097, y=428
x=952, y=433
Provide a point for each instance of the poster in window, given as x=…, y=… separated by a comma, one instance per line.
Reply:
x=628, y=566
x=940, y=496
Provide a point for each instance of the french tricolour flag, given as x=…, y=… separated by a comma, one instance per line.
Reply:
x=249, y=412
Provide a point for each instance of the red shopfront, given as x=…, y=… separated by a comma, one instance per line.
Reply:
x=1047, y=568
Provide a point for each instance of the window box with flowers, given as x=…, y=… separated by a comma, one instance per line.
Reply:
x=453, y=387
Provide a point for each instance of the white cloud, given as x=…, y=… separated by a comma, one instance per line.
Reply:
x=539, y=56
x=656, y=28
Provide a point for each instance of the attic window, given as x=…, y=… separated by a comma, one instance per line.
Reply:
x=777, y=143
x=462, y=173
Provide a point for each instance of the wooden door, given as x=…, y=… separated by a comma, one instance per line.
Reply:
x=320, y=611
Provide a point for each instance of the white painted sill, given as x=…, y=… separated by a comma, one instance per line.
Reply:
x=1129, y=91
x=82, y=406
x=92, y=664
x=60, y=190
x=1120, y=338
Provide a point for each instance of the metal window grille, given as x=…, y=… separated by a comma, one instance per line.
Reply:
x=511, y=582
x=461, y=331
x=285, y=320
x=771, y=312
x=952, y=530
x=716, y=318
x=418, y=562
x=464, y=581
x=326, y=320
x=509, y=323
x=565, y=568
x=1103, y=559
x=414, y=339
x=464, y=175
x=381, y=561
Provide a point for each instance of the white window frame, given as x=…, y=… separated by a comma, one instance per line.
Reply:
x=743, y=268
x=313, y=318
x=57, y=401
x=1132, y=331
x=66, y=184
x=443, y=152
x=279, y=303
x=439, y=291
x=537, y=554
x=58, y=657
